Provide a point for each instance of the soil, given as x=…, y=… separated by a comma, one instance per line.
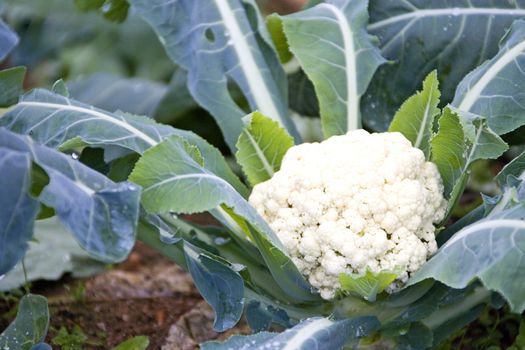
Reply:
x=146, y=295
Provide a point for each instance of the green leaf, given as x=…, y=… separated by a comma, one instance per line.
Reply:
x=177, y=102
x=315, y=333
x=174, y=179
x=261, y=316
x=415, y=117
x=332, y=45
x=303, y=99
x=453, y=37
x=369, y=285
x=513, y=169
x=60, y=88
x=55, y=121
x=101, y=214
x=140, y=342
x=76, y=339
x=8, y=40
x=52, y=253
x=219, y=284
x=417, y=336
x=239, y=342
x=491, y=250
x=11, y=85
x=30, y=325
x=275, y=29
x=448, y=149
x=111, y=92
x=462, y=139
x=19, y=209
x=261, y=147
x=495, y=88
x=228, y=41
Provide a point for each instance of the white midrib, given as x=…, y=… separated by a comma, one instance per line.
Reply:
x=92, y=112
x=256, y=83
x=186, y=176
x=267, y=167
x=297, y=340
x=352, y=97
x=425, y=119
x=456, y=11
x=475, y=91
x=489, y=224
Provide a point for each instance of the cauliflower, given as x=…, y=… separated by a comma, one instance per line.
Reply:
x=351, y=203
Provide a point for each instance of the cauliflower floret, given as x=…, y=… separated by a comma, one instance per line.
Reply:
x=354, y=203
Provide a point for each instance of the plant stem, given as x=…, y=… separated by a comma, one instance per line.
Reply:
x=442, y=315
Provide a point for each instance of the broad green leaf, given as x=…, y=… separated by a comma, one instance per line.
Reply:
x=11, y=85
x=174, y=179
x=140, y=342
x=368, y=285
x=177, y=102
x=425, y=308
x=515, y=168
x=419, y=36
x=311, y=334
x=415, y=336
x=239, y=342
x=19, y=209
x=52, y=253
x=303, y=99
x=468, y=219
x=260, y=317
x=101, y=214
x=219, y=284
x=415, y=117
x=332, y=45
x=228, y=40
x=111, y=92
x=275, y=28
x=495, y=89
x=450, y=326
x=8, y=40
x=57, y=121
x=462, y=139
x=281, y=266
x=30, y=325
x=491, y=250
x=448, y=149
x=261, y=147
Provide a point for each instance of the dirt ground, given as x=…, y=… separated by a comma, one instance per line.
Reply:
x=145, y=295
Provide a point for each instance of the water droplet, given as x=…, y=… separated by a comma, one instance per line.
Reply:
x=75, y=155
x=2, y=277
x=221, y=240
x=455, y=11
x=230, y=42
x=445, y=29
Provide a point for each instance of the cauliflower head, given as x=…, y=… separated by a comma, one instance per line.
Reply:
x=351, y=203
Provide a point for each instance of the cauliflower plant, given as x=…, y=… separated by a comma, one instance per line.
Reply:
x=351, y=203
